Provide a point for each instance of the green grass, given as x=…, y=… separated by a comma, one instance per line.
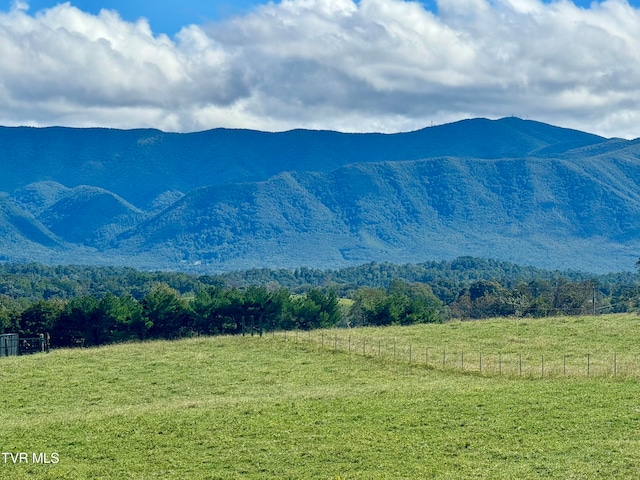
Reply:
x=234, y=407
x=571, y=346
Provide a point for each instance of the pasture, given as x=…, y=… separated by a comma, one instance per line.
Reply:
x=604, y=345
x=250, y=407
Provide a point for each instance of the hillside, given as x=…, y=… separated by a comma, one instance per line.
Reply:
x=509, y=189
x=527, y=210
x=139, y=165
x=251, y=407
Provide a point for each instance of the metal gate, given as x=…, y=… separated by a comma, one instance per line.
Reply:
x=9, y=345
x=28, y=346
x=12, y=345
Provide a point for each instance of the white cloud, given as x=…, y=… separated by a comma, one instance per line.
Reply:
x=380, y=65
x=19, y=5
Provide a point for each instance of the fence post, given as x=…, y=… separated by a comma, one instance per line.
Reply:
x=520, y=364
x=322, y=338
x=349, y=343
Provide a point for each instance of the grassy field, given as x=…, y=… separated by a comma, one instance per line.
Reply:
x=234, y=407
x=565, y=346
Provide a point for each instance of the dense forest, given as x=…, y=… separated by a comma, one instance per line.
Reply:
x=97, y=305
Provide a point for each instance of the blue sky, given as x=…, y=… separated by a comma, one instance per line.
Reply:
x=366, y=65
x=170, y=16
x=164, y=16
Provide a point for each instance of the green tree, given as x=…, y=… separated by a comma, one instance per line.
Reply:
x=232, y=312
x=40, y=317
x=489, y=299
x=132, y=322
x=305, y=312
x=278, y=310
x=256, y=301
x=119, y=318
x=75, y=323
x=413, y=303
x=167, y=312
x=371, y=307
x=206, y=307
x=10, y=313
x=327, y=300
x=572, y=298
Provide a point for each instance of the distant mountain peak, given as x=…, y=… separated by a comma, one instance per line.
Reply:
x=512, y=189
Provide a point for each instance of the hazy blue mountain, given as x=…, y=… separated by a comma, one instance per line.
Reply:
x=36, y=197
x=85, y=215
x=140, y=165
x=19, y=227
x=544, y=212
x=509, y=189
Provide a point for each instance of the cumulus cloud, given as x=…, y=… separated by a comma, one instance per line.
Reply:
x=372, y=65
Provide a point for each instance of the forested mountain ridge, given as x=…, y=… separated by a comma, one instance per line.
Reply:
x=509, y=189
x=139, y=165
x=404, y=210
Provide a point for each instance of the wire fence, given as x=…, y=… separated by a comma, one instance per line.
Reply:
x=490, y=363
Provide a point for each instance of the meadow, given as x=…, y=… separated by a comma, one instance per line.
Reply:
x=250, y=407
x=603, y=345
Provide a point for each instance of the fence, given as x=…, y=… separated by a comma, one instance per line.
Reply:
x=9, y=345
x=34, y=345
x=526, y=364
x=12, y=345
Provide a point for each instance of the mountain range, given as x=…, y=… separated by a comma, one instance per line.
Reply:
x=508, y=189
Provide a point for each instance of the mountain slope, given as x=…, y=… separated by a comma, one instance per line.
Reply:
x=84, y=214
x=140, y=165
x=508, y=189
x=535, y=211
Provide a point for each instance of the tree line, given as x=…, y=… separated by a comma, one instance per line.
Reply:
x=214, y=310
x=447, y=278
x=98, y=305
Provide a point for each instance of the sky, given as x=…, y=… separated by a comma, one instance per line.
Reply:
x=353, y=66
